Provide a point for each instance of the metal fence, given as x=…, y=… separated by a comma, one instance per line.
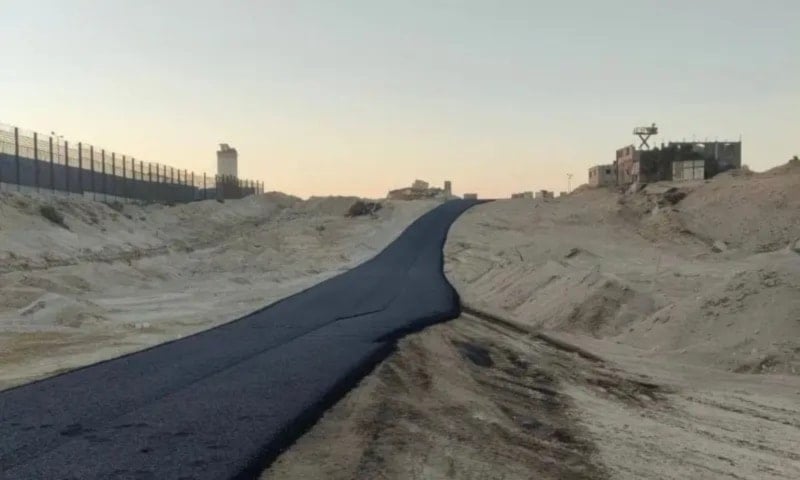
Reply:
x=33, y=162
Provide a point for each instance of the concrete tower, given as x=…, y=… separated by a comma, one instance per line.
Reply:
x=227, y=161
x=448, y=188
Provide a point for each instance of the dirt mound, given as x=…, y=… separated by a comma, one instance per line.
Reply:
x=360, y=208
x=749, y=322
x=755, y=213
x=584, y=301
x=337, y=206
x=790, y=167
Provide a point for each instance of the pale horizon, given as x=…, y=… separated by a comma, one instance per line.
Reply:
x=359, y=98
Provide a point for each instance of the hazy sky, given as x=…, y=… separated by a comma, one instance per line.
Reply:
x=357, y=97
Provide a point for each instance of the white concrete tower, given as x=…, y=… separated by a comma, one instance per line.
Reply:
x=227, y=161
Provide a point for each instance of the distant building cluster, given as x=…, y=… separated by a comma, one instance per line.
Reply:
x=420, y=189
x=541, y=194
x=675, y=161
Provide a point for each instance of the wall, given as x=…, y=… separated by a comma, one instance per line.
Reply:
x=39, y=163
x=688, y=170
x=602, y=175
x=725, y=155
x=227, y=162
x=625, y=165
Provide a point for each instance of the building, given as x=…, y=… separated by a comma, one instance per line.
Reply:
x=522, y=195
x=726, y=155
x=688, y=170
x=470, y=196
x=227, y=161
x=418, y=190
x=602, y=176
x=663, y=163
x=544, y=194
x=625, y=164
x=420, y=185
x=448, y=188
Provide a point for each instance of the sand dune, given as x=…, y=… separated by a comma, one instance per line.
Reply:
x=644, y=336
x=124, y=278
x=611, y=341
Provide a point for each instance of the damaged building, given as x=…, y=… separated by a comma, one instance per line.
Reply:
x=602, y=175
x=675, y=161
x=522, y=195
x=420, y=189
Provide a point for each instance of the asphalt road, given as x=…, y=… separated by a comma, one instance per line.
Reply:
x=224, y=403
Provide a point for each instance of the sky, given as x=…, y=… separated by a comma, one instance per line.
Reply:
x=358, y=97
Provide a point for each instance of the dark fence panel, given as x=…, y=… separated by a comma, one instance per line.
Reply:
x=49, y=163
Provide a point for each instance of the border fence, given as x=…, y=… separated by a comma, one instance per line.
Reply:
x=31, y=162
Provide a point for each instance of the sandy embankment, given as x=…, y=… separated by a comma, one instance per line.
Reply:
x=124, y=278
x=693, y=346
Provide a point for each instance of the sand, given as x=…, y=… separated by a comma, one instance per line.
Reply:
x=644, y=336
x=121, y=279
x=647, y=336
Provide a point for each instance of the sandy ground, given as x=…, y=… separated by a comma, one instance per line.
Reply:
x=649, y=336
x=653, y=335
x=124, y=278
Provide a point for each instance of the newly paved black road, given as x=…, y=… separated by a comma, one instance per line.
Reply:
x=223, y=403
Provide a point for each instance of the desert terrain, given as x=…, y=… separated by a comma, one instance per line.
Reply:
x=118, y=278
x=645, y=335
x=651, y=335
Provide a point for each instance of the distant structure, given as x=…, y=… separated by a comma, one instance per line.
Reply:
x=562, y=194
x=675, y=161
x=544, y=194
x=602, y=175
x=227, y=161
x=726, y=155
x=420, y=185
x=470, y=196
x=644, y=134
x=448, y=188
x=418, y=190
x=688, y=170
x=522, y=195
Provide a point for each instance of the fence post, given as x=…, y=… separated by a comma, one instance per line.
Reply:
x=52, y=168
x=66, y=167
x=114, y=173
x=134, y=193
x=36, y=160
x=126, y=191
x=205, y=188
x=91, y=162
x=80, y=167
x=103, y=157
x=141, y=177
x=16, y=154
x=150, y=188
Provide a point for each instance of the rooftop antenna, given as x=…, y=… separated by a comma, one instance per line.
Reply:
x=644, y=134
